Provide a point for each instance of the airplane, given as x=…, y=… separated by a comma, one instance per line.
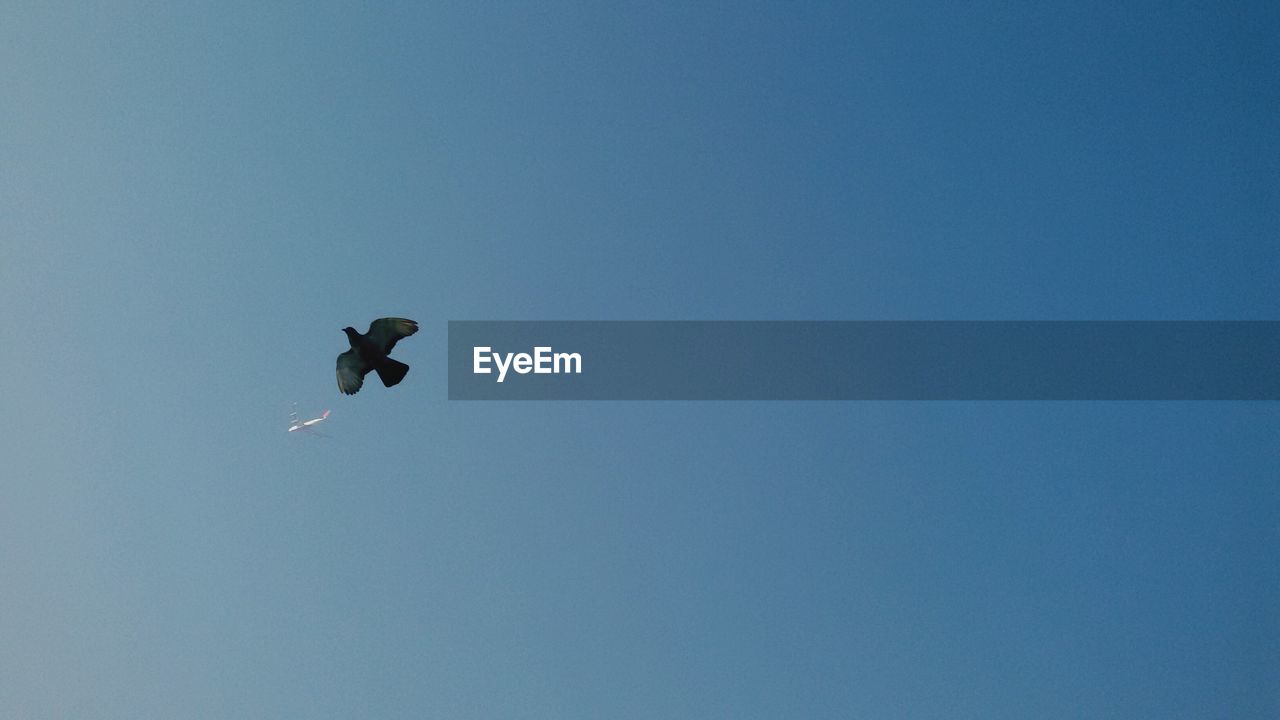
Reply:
x=305, y=425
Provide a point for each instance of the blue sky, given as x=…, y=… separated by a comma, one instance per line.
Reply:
x=196, y=199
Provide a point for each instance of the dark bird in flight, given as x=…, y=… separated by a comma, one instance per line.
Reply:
x=369, y=352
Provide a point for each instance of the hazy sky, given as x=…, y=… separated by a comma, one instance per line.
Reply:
x=194, y=200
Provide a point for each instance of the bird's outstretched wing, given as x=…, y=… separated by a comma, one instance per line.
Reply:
x=351, y=372
x=384, y=332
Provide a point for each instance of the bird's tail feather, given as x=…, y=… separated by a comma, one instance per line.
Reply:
x=391, y=371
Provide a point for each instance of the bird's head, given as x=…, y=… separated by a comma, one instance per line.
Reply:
x=351, y=334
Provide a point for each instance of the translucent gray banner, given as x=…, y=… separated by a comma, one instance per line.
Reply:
x=864, y=360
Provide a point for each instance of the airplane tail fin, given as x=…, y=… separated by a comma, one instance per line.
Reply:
x=324, y=415
x=391, y=371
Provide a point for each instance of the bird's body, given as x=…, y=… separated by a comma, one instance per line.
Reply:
x=369, y=352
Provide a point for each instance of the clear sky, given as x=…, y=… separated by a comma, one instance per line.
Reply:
x=196, y=197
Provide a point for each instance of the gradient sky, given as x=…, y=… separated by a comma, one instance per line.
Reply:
x=195, y=199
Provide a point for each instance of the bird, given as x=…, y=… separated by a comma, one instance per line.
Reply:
x=369, y=352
